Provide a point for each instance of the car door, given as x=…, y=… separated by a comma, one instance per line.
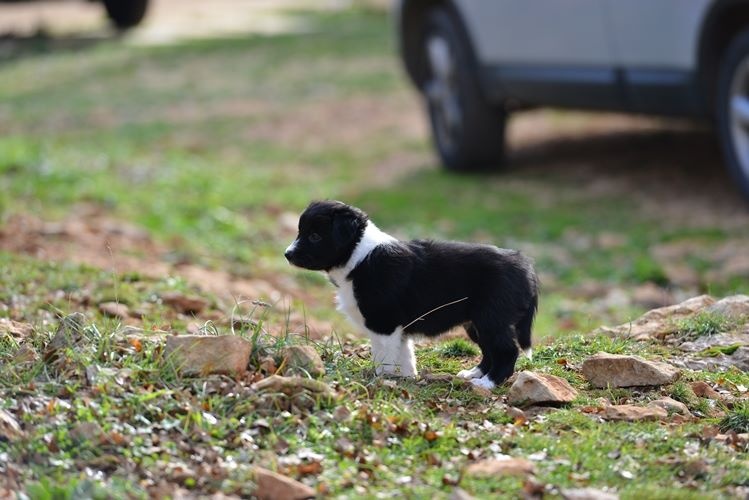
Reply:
x=544, y=51
x=655, y=45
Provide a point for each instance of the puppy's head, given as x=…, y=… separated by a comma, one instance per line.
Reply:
x=328, y=234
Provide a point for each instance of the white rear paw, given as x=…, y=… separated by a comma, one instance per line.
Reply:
x=483, y=382
x=474, y=372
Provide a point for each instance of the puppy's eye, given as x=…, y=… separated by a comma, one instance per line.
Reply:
x=314, y=238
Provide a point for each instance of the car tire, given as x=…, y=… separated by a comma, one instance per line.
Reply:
x=125, y=13
x=732, y=109
x=468, y=133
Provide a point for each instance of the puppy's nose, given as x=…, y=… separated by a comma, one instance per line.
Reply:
x=289, y=253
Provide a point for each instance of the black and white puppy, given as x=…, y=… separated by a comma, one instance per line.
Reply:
x=393, y=289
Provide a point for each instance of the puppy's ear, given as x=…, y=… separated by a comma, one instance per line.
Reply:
x=345, y=227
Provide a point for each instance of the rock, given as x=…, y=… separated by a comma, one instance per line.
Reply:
x=9, y=428
x=206, y=354
x=733, y=307
x=739, y=359
x=25, y=354
x=614, y=370
x=501, y=467
x=86, y=431
x=15, y=328
x=69, y=333
x=671, y=406
x=532, y=388
x=659, y=322
x=303, y=359
x=114, y=310
x=461, y=494
x=273, y=486
x=293, y=385
x=588, y=494
x=632, y=413
x=703, y=390
x=183, y=303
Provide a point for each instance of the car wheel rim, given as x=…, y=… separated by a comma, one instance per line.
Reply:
x=442, y=91
x=739, y=115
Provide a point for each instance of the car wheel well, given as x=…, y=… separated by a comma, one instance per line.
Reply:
x=723, y=23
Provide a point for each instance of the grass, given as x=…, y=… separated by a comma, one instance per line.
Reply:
x=213, y=147
x=736, y=419
x=704, y=324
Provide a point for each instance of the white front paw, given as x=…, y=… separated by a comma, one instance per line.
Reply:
x=409, y=370
x=386, y=369
x=483, y=382
x=474, y=372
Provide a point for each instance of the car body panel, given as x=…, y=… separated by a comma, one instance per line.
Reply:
x=656, y=33
x=622, y=55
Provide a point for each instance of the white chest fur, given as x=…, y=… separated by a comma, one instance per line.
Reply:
x=391, y=353
x=347, y=304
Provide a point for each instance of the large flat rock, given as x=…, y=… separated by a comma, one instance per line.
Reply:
x=199, y=355
x=532, y=388
x=614, y=370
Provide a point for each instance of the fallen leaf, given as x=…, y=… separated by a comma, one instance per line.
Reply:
x=308, y=468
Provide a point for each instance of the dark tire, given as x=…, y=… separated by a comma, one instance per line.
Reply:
x=126, y=13
x=732, y=110
x=468, y=133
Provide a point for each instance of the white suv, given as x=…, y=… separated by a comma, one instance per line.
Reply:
x=475, y=61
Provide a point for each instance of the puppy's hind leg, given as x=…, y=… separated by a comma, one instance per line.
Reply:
x=485, y=364
x=501, y=346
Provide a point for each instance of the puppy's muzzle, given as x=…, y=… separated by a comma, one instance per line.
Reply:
x=290, y=252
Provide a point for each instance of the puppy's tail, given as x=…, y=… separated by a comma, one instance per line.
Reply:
x=524, y=326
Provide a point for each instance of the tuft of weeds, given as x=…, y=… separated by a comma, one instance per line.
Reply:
x=682, y=392
x=703, y=324
x=737, y=418
x=458, y=348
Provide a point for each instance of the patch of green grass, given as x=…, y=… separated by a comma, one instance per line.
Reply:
x=737, y=418
x=458, y=348
x=681, y=391
x=704, y=324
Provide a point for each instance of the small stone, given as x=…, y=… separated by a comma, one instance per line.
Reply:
x=15, y=328
x=537, y=388
x=69, y=333
x=183, y=303
x=199, y=355
x=114, y=310
x=671, y=406
x=588, y=494
x=703, y=390
x=733, y=307
x=86, y=431
x=303, y=359
x=613, y=370
x=9, y=428
x=461, y=494
x=273, y=486
x=25, y=354
x=501, y=467
x=632, y=413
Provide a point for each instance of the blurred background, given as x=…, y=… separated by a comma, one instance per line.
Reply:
x=180, y=152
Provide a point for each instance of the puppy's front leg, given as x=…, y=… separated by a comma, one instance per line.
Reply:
x=408, y=358
x=392, y=354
